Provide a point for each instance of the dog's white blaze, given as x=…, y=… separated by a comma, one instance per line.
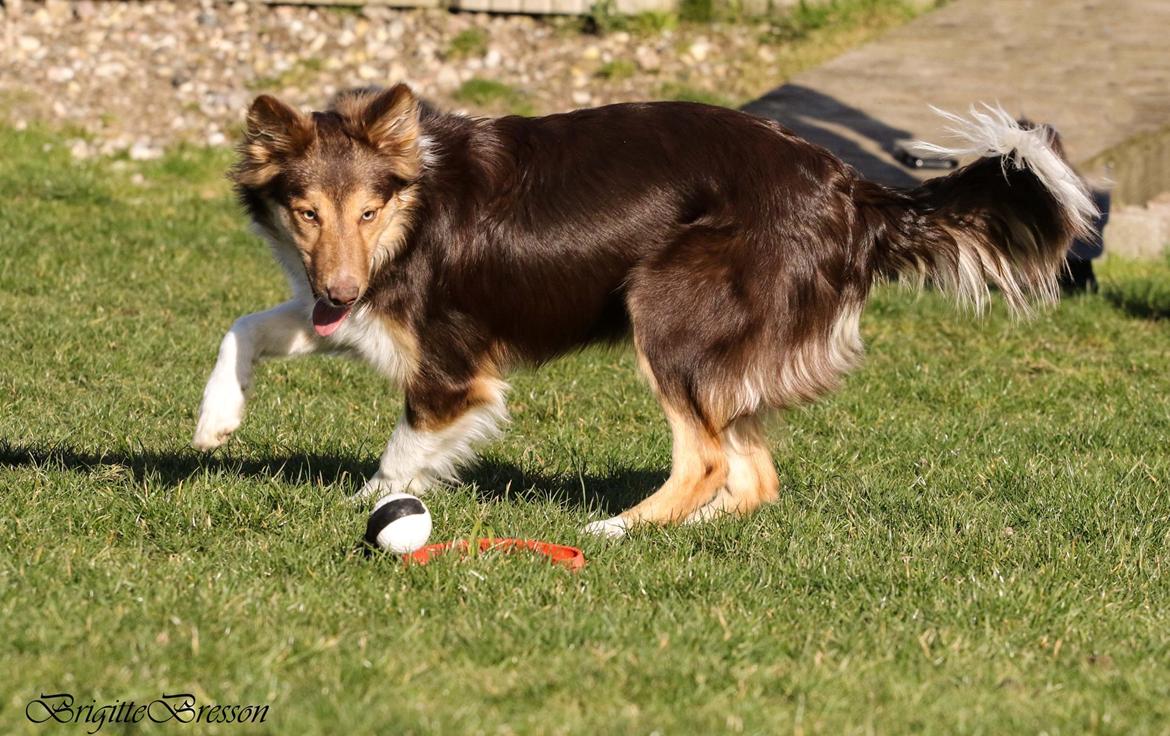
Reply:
x=415, y=460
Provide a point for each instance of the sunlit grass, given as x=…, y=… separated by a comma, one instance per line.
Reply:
x=972, y=535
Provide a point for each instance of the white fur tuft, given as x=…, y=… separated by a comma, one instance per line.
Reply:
x=415, y=460
x=993, y=132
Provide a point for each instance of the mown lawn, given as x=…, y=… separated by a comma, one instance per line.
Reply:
x=972, y=537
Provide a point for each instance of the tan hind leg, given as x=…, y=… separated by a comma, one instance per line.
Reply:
x=698, y=471
x=751, y=476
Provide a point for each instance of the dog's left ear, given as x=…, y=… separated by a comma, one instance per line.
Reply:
x=390, y=123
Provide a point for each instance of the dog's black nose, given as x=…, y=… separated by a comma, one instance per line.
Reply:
x=344, y=292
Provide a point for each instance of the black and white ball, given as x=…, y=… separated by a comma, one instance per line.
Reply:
x=400, y=523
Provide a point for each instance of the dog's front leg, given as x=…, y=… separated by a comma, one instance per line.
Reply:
x=281, y=331
x=436, y=436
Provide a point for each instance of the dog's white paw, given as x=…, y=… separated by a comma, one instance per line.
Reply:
x=373, y=488
x=613, y=528
x=379, y=486
x=220, y=414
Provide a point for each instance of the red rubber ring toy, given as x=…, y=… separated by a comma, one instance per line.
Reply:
x=557, y=554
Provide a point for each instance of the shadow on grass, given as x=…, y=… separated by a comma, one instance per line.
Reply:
x=1139, y=288
x=608, y=493
x=1146, y=306
x=493, y=481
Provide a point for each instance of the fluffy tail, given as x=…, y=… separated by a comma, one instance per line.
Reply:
x=1007, y=219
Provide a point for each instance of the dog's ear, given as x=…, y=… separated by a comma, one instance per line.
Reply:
x=273, y=131
x=390, y=122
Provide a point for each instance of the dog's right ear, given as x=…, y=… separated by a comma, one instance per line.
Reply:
x=273, y=132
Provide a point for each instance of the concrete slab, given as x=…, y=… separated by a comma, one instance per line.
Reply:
x=1136, y=232
x=1099, y=70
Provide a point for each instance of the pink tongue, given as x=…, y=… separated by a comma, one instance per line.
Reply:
x=327, y=318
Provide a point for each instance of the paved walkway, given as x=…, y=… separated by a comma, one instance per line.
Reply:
x=1099, y=70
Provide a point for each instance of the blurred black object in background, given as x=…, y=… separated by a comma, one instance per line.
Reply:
x=1078, y=277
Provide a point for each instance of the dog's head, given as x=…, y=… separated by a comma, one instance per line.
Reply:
x=336, y=187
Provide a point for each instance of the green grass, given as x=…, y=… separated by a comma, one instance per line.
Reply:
x=1138, y=287
x=494, y=96
x=688, y=93
x=302, y=72
x=345, y=10
x=806, y=18
x=649, y=22
x=616, y=70
x=790, y=22
x=470, y=42
x=972, y=535
x=703, y=11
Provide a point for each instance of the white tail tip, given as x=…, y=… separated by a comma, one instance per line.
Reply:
x=993, y=132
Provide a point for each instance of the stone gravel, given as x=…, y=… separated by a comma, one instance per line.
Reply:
x=135, y=77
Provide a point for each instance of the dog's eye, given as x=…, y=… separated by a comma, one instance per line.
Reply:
x=310, y=215
x=369, y=215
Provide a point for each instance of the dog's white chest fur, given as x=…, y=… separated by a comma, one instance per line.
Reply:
x=371, y=337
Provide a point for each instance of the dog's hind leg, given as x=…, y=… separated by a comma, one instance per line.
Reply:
x=751, y=475
x=437, y=435
x=281, y=331
x=698, y=470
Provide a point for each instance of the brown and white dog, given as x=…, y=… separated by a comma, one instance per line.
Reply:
x=445, y=250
